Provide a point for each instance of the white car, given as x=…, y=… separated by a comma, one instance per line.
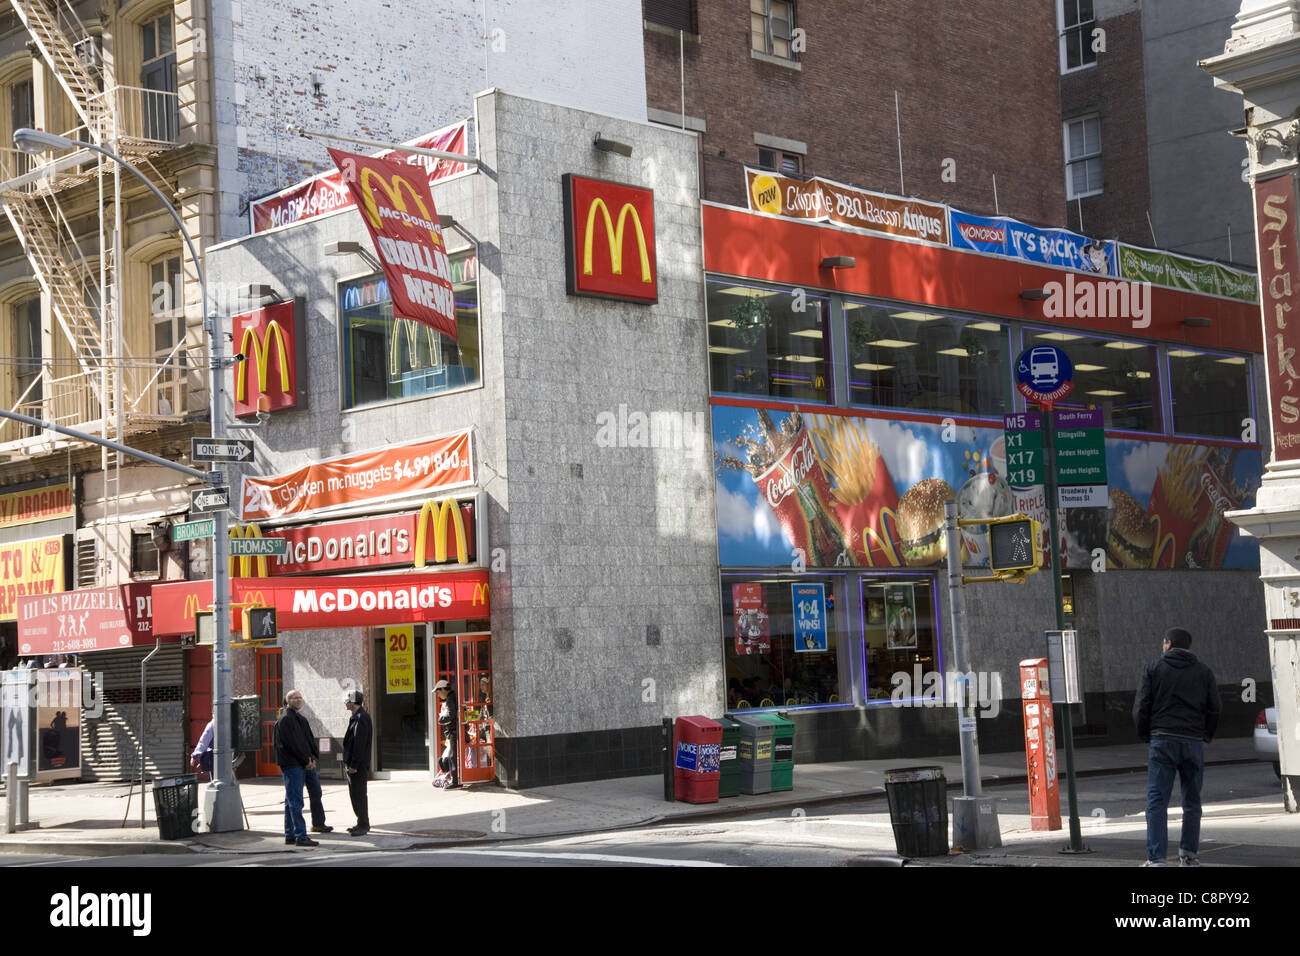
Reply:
x=1266, y=738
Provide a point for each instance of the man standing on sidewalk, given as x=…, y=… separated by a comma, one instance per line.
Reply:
x=293, y=752
x=356, y=758
x=1177, y=709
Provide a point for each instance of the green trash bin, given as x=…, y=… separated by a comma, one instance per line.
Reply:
x=175, y=800
x=918, y=809
x=782, y=750
x=755, y=753
x=729, y=759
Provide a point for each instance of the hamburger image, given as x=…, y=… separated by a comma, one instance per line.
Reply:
x=921, y=521
x=1131, y=537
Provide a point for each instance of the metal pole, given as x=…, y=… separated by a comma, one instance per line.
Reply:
x=393, y=147
x=144, y=664
x=1062, y=708
x=125, y=449
x=11, y=797
x=970, y=746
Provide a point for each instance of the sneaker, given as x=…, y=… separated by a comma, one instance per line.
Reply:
x=305, y=841
x=322, y=829
x=358, y=831
x=1154, y=863
x=1188, y=860
x=289, y=841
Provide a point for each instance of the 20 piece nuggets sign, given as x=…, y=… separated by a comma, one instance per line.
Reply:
x=267, y=379
x=397, y=208
x=609, y=239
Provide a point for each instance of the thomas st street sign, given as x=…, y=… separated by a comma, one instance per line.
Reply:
x=258, y=547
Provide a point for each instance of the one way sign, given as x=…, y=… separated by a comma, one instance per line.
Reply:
x=221, y=449
x=203, y=500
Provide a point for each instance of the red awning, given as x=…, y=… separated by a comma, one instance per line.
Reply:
x=90, y=619
x=307, y=603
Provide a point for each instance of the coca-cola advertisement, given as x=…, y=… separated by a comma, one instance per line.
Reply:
x=753, y=625
x=818, y=489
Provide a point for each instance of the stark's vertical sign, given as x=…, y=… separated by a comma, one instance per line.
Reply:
x=1279, y=278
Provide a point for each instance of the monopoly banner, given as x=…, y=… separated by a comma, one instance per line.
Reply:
x=1003, y=236
x=37, y=504
x=399, y=214
x=1179, y=272
x=853, y=491
x=326, y=193
x=433, y=465
x=829, y=201
x=30, y=568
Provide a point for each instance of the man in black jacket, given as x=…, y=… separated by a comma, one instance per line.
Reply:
x=1177, y=709
x=356, y=758
x=295, y=752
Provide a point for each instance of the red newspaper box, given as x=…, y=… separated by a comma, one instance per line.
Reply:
x=1040, y=745
x=697, y=745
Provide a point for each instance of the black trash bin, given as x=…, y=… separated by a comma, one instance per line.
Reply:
x=918, y=809
x=175, y=800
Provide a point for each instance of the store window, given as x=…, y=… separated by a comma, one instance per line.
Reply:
x=1077, y=23
x=387, y=359
x=771, y=25
x=901, y=357
x=768, y=341
x=1083, y=157
x=1210, y=393
x=781, y=640
x=1118, y=377
x=901, y=631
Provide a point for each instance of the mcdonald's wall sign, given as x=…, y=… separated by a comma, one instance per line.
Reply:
x=269, y=378
x=609, y=240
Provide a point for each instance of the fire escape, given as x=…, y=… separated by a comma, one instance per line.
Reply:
x=106, y=390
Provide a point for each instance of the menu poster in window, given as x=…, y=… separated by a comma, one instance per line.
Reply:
x=809, y=617
x=752, y=622
x=399, y=656
x=900, y=616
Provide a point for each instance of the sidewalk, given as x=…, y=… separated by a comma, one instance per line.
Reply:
x=86, y=819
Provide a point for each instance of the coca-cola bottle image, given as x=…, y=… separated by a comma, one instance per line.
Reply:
x=1208, y=544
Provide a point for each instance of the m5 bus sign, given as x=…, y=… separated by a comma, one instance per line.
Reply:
x=1044, y=374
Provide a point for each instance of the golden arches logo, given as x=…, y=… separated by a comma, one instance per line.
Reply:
x=448, y=509
x=191, y=605
x=255, y=599
x=250, y=530
x=394, y=191
x=480, y=594
x=261, y=349
x=615, y=237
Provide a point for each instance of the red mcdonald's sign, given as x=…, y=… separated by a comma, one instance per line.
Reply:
x=267, y=379
x=609, y=239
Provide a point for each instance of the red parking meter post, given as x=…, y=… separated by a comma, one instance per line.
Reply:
x=1040, y=745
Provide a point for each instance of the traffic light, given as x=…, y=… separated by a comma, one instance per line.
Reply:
x=1014, y=544
x=259, y=624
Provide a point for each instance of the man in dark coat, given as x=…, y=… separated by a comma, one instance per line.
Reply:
x=295, y=752
x=356, y=758
x=1177, y=709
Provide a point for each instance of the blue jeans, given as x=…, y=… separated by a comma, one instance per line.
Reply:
x=294, y=825
x=313, y=794
x=1167, y=757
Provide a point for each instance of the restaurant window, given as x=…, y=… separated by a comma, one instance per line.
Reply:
x=1076, y=21
x=1210, y=393
x=773, y=654
x=901, y=632
x=901, y=357
x=387, y=359
x=767, y=341
x=771, y=25
x=1083, y=157
x=1115, y=376
x=674, y=14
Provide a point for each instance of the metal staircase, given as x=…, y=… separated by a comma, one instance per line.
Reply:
x=57, y=31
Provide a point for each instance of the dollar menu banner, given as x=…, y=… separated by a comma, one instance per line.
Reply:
x=838, y=490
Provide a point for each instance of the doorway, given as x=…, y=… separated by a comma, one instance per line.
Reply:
x=400, y=707
x=465, y=662
x=270, y=692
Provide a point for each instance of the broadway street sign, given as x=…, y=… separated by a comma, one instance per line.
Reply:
x=221, y=449
x=193, y=530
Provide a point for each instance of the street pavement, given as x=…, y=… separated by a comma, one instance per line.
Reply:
x=90, y=820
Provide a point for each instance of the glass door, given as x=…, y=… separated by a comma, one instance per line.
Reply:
x=270, y=694
x=465, y=662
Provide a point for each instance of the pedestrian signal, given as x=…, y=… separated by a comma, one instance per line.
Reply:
x=1013, y=544
x=259, y=624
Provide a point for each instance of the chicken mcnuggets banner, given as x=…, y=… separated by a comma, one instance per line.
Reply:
x=36, y=504
x=1180, y=272
x=1016, y=240
x=327, y=193
x=397, y=208
x=335, y=601
x=827, y=201
x=28, y=568
x=436, y=464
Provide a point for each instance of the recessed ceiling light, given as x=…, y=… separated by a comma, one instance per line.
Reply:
x=985, y=326
x=1081, y=367
x=1140, y=374
x=855, y=305
x=809, y=333
x=726, y=350
x=872, y=367
x=1183, y=353
x=746, y=291
x=916, y=316
x=1105, y=392
x=800, y=358
x=1125, y=345
x=1057, y=336
x=957, y=351
x=893, y=344
x=1233, y=360
x=724, y=323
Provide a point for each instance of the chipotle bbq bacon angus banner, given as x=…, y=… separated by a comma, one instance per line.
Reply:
x=326, y=193
x=333, y=601
x=91, y=619
x=436, y=464
x=398, y=210
x=1279, y=284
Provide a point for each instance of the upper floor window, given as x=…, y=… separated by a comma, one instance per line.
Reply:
x=1076, y=20
x=1083, y=157
x=771, y=27
x=26, y=318
x=158, y=79
x=167, y=310
x=787, y=164
x=385, y=359
x=768, y=341
x=674, y=14
x=22, y=114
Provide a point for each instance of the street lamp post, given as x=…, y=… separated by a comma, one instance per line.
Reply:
x=222, y=801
